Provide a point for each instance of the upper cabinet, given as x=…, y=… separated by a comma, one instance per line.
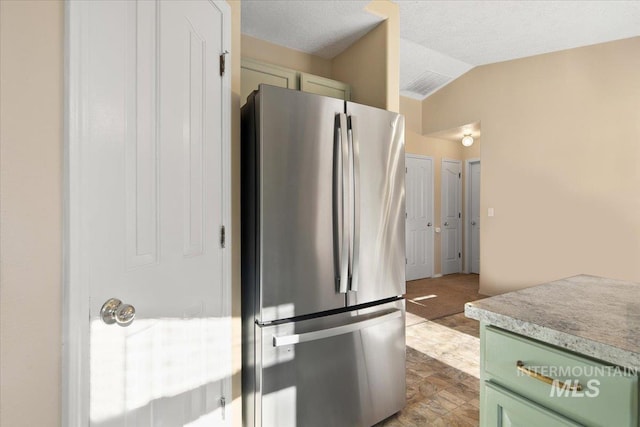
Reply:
x=255, y=72
x=323, y=86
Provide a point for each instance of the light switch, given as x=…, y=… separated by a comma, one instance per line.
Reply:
x=490, y=212
x=437, y=229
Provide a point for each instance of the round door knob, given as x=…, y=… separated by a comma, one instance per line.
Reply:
x=446, y=224
x=473, y=223
x=113, y=311
x=428, y=224
x=125, y=314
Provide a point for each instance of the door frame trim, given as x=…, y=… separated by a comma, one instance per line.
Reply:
x=433, y=188
x=75, y=292
x=459, y=240
x=467, y=202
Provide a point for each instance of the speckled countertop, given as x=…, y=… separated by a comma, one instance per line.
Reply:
x=590, y=315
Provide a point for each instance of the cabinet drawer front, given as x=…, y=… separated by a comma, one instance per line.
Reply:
x=587, y=391
x=505, y=409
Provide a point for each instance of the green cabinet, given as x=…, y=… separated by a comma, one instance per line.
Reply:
x=253, y=73
x=503, y=408
x=547, y=378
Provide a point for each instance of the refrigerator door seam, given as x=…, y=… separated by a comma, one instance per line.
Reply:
x=355, y=161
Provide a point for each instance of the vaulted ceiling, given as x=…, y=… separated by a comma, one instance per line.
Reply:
x=441, y=40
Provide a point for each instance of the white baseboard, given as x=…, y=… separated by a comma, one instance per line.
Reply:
x=435, y=276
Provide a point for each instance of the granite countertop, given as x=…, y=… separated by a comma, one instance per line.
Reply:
x=590, y=315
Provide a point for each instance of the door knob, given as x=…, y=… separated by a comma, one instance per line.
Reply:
x=114, y=311
x=446, y=224
x=473, y=223
x=428, y=224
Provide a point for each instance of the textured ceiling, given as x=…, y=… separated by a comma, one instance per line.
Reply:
x=441, y=40
x=483, y=32
x=323, y=28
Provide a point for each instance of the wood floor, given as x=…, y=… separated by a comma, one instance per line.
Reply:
x=442, y=296
x=443, y=367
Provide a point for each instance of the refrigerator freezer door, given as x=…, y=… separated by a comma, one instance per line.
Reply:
x=298, y=135
x=340, y=370
x=377, y=139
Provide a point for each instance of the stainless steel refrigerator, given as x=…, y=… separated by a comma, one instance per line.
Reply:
x=323, y=261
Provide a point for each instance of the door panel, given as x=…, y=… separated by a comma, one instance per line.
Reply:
x=381, y=259
x=474, y=172
x=296, y=160
x=451, y=216
x=361, y=366
x=419, y=223
x=151, y=206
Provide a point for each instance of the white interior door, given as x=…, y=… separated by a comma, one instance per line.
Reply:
x=419, y=222
x=474, y=214
x=148, y=179
x=451, y=187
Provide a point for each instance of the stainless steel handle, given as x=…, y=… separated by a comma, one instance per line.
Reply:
x=337, y=208
x=340, y=203
x=332, y=332
x=355, y=231
x=114, y=311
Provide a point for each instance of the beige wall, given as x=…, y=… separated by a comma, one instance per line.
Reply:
x=411, y=109
x=31, y=153
x=370, y=65
x=368, y=82
x=560, y=155
x=31, y=141
x=391, y=12
x=285, y=57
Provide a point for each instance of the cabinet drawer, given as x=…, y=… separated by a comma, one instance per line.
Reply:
x=503, y=409
x=606, y=395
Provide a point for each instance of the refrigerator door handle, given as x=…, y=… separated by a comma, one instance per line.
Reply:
x=332, y=332
x=340, y=204
x=355, y=244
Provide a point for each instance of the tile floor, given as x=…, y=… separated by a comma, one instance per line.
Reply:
x=443, y=358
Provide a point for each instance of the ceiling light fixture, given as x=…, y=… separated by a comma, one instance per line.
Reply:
x=467, y=140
